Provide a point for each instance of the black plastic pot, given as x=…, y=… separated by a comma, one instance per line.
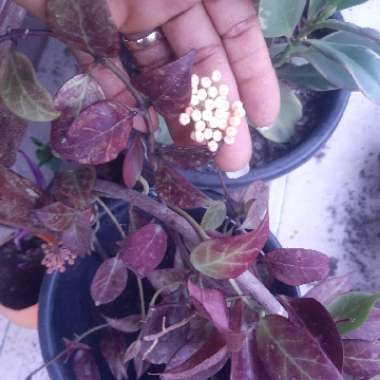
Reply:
x=66, y=308
x=330, y=111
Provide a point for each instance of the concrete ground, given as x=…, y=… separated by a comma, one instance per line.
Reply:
x=331, y=204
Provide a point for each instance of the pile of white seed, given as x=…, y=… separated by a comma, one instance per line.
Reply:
x=210, y=113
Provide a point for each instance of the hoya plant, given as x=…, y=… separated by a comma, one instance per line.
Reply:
x=210, y=301
x=312, y=50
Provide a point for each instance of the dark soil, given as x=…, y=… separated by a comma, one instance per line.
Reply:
x=21, y=274
x=358, y=215
x=265, y=151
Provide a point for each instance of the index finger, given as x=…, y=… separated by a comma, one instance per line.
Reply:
x=239, y=27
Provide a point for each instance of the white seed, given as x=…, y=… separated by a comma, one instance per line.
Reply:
x=213, y=92
x=189, y=110
x=209, y=104
x=229, y=140
x=222, y=124
x=213, y=146
x=220, y=114
x=194, y=100
x=240, y=112
x=184, y=119
x=237, y=104
x=216, y=76
x=225, y=105
x=202, y=95
x=217, y=136
x=206, y=115
x=195, y=80
x=231, y=132
x=214, y=122
x=200, y=126
x=196, y=115
x=234, y=121
x=199, y=137
x=208, y=133
x=206, y=82
x=224, y=90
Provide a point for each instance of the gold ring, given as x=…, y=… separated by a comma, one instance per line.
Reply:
x=145, y=42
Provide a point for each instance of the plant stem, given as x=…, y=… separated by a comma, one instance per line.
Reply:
x=142, y=298
x=112, y=217
x=261, y=294
x=202, y=234
x=159, y=291
x=145, y=185
x=67, y=350
x=152, y=207
x=239, y=292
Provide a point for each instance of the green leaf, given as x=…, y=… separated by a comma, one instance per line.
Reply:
x=304, y=76
x=214, y=217
x=316, y=7
x=291, y=112
x=353, y=307
x=361, y=63
x=369, y=38
x=22, y=93
x=333, y=71
x=279, y=18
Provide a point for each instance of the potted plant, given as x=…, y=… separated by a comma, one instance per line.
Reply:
x=211, y=301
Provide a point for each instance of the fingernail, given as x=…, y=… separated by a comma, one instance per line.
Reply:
x=239, y=173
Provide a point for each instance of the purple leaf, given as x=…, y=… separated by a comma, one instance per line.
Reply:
x=369, y=330
x=56, y=216
x=311, y=314
x=186, y=157
x=133, y=351
x=212, y=355
x=230, y=256
x=18, y=197
x=288, y=351
x=144, y=250
x=361, y=358
x=84, y=366
x=168, y=87
x=113, y=346
x=133, y=163
x=79, y=236
x=75, y=95
x=99, y=133
x=168, y=344
x=297, y=266
x=11, y=17
x=11, y=133
x=176, y=190
x=246, y=364
x=210, y=303
x=129, y=324
x=329, y=289
x=74, y=187
x=84, y=24
x=254, y=199
x=162, y=278
x=109, y=281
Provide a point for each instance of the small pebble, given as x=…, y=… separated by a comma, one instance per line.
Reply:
x=209, y=104
x=202, y=94
x=213, y=92
x=231, y=132
x=214, y=122
x=207, y=115
x=199, y=137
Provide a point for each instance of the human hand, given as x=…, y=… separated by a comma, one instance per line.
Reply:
x=226, y=35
